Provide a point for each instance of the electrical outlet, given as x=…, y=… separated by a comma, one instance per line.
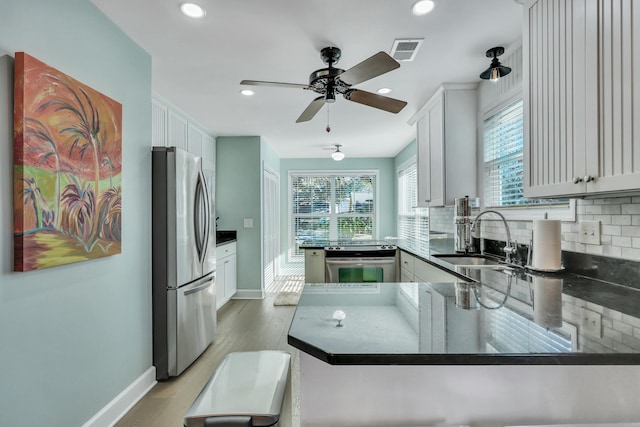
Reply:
x=590, y=232
x=591, y=323
x=248, y=223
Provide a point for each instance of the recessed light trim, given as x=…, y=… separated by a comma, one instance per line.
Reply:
x=422, y=7
x=384, y=90
x=193, y=10
x=247, y=92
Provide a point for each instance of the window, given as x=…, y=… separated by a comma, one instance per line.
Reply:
x=503, y=160
x=503, y=168
x=413, y=223
x=331, y=207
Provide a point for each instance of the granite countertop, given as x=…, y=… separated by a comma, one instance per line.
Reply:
x=226, y=236
x=490, y=316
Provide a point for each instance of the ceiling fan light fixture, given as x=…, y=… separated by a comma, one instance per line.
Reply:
x=192, y=10
x=422, y=7
x=337, y=155
x=384, y=90
x=247, y=92
x=496, y=70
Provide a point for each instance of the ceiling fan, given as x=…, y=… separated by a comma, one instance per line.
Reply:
x=331, y=81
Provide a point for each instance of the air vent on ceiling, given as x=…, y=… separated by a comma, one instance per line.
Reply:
x=405, y=49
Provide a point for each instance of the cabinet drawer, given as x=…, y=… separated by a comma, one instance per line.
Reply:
x=407, y=262
x=425, y=272
x=226, y=250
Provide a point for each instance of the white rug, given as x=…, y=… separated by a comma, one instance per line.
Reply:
x=287, y=298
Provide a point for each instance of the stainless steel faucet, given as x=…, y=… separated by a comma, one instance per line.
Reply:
x=508, y=249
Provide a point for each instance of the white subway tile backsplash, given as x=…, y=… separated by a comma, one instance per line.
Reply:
x=622, y=241
x=611, y=230
x=631, y=231
x=621, y=220
x=631, y=208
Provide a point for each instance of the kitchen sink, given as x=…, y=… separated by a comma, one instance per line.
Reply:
x=474, y=261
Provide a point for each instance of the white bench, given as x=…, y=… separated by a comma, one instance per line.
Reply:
x=246, y=390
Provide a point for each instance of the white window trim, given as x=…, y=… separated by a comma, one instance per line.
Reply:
x=334, y=172
x=518, y=213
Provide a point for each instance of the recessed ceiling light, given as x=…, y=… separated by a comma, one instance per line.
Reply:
x=247, y=92
x=422, y=7
x=192, y=10
x=384, y=90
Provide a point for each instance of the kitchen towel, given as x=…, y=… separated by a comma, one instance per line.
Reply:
x=547, y=247
x=547, y=302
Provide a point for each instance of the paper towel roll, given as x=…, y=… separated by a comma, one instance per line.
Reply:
x=547, y=302
x=547, y=246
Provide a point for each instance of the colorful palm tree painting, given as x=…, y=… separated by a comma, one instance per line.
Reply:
x=67, y=169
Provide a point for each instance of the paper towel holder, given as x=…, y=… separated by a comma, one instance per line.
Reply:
x=535, y=269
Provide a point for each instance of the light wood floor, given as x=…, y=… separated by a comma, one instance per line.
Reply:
x=243, y=325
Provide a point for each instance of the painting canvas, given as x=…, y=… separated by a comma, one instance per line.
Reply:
x=67, y=169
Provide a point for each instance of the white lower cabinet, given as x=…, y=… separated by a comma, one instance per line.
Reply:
x=407, y=263
x=413, y=269
x=314, y=266
x=226, y=274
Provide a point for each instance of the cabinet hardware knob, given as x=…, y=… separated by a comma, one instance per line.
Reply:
x=589, y=178
x=577, y=180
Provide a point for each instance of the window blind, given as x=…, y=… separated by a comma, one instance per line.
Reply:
x=413, y=226
x=503, y=167
x=503, y=160
x=331, y=207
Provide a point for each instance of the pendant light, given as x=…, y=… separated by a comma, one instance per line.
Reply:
x=496, y=69
x=337, y=155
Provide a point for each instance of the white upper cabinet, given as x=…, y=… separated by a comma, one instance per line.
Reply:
x=582, y=127
x=446, y=145
x=172, y=129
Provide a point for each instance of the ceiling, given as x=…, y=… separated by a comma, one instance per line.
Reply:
x=198, y=64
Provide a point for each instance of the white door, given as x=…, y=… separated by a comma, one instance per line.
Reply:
x=271, y=226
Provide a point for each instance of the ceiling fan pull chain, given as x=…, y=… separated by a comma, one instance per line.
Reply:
x=328, y=127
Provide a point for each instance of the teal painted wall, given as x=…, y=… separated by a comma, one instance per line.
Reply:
x=238, y=190
x=73, y=337
x=406, y=153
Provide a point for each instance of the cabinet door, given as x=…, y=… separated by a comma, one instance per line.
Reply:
x=159, y=115
x=220, y=283
x=423, y=159
x=314, y=266
x=177, y=131
x=560, y=96
x=194, y=140
x=430, y=155
x=618, y=165
x=230, y=279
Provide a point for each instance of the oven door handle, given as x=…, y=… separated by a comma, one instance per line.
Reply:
x=359, y=261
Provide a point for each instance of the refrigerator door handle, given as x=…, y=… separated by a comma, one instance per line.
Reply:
x=197, y=218
x=206, y=209
x=199, y=288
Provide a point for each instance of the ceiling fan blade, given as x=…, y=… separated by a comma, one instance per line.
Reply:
x=311, y=110
x=371, y=67
x=376, y=101
x=274, y=84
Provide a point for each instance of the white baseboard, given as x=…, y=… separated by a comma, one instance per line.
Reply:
x=121, y=404
x=248, y=294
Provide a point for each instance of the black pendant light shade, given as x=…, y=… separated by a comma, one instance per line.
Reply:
x=496, y=69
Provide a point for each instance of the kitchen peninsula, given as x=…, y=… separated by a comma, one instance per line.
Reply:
x=499, y=347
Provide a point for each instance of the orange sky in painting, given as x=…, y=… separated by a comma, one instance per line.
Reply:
x=33, y=88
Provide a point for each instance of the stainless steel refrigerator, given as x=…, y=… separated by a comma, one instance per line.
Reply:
x=184, y=259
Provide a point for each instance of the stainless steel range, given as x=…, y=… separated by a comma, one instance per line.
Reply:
x=361, y=261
